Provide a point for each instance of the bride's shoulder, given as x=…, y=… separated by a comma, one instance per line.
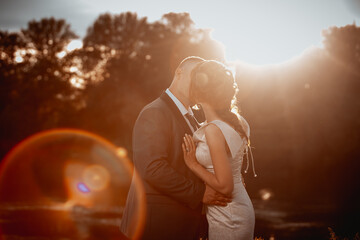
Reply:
x=211, y=127
x=213, y=131
x=245, y=125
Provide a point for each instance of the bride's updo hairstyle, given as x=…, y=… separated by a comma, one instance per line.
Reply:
x=214, y=84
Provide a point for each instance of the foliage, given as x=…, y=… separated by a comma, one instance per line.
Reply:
x=124, y=63
x=303, y=115
x=139, y=59
x=344, y=44
x=305, y=130
x=35, y=83
x=333, y=235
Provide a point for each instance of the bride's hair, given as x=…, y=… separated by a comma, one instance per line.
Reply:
x=214, y=84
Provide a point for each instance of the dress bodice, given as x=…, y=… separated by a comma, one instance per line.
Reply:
x=237, y=219
x=237, y=146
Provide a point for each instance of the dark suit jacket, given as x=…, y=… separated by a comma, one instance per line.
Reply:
x=173, y=192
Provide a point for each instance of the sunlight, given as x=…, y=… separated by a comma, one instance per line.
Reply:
x=77, y=82
x=61, y=54
x=73, y=69
x=19, y=54
x=19, y=59
x=73, y=45
x=3, y=55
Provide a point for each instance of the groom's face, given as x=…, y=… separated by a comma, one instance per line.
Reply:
x=186, y=78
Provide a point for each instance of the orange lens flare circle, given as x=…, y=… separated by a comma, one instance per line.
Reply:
x=96, y=177
x=67, y=183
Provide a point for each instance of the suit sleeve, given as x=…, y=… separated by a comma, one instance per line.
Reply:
x=151, y=143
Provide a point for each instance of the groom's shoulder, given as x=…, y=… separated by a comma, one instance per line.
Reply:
x=157, y=103
x=158, y=106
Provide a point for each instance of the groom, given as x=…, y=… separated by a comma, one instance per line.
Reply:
x=174, y=195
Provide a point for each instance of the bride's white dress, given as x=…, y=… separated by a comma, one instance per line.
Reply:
x=237, y=219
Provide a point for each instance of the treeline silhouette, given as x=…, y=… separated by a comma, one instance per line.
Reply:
x=304, y=114
x=124, y=63
x=304, y=117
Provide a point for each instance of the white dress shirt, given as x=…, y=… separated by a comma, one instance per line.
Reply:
x=181, y=107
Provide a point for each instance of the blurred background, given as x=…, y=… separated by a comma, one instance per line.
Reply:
x=93, y=66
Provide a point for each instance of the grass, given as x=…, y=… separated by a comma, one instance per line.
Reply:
x=333, y=236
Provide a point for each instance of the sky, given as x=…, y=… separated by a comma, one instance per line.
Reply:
x=258, y=32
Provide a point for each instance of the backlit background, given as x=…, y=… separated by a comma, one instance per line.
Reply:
x=93, y=65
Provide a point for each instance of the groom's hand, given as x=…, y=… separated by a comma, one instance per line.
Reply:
x=212, y=197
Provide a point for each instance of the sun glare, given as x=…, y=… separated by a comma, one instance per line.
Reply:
x=19, y=55
x=73, y=69
x=19, y=59
x=77, y=82
x=74, y=44
x=61, y=54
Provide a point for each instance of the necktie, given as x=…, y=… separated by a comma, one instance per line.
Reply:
x=195, y=125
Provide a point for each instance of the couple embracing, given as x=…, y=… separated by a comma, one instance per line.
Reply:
x=190, y=169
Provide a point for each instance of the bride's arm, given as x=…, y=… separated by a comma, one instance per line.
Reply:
x=222, y=180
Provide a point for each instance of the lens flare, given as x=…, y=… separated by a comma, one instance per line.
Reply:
x=122, y=152
x=96, y=177
x=266, y=194
x=83, y=188
x=71, y=180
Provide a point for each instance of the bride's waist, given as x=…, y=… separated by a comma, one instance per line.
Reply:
x=236, y=177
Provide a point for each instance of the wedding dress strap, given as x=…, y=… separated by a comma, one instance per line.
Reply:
x=232, y=138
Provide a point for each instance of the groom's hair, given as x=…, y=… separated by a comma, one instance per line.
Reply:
x=190, y=59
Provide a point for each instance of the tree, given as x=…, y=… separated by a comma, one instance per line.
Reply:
x=344, y=44
x=36, y=82
x=10, y=44
x=125, y=62
x=115, y=46
x=139, y=59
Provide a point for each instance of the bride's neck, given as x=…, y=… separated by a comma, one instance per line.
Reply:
x=210, y=114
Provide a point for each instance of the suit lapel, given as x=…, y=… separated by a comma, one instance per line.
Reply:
x=174, y=109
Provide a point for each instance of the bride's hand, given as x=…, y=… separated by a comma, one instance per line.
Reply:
x=189, y=149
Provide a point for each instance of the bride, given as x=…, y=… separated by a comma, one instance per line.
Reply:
x=215, y=152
